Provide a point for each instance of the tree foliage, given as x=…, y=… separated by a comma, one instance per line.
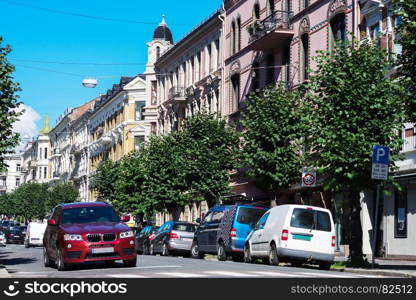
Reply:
x=354, y=105
x=273, y=131
x=104, y=179
x=8, y=104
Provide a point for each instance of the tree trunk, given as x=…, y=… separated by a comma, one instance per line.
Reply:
x=356, y=233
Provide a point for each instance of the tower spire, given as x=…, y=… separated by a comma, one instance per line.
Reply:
x=46, y=125
x=163, y=23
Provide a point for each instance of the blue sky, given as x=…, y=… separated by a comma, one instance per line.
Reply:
x=37, y=33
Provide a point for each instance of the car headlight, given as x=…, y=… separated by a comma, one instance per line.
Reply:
x=72, y=237
x=126, y=234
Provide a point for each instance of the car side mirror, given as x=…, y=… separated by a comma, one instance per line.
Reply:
x=198, y=220
x=52, y=222
x=125, y=218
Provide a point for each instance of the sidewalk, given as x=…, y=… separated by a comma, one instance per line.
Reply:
x=385, y=267
x=3, y=272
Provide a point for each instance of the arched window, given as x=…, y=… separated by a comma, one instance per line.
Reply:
x=233, y=37
x=235, y=92
x=238, y=35
x=304, y=61
x=337, y=29
x=157, y=52
x=270, y=7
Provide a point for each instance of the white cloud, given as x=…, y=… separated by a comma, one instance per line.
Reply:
x=26, y=125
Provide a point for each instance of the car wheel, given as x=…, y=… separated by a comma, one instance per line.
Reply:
x=247, y=254
x=165, y=250
x=131, y=263
x=26, y=244
x=152, y=250
x=145, y=249
x=325, y=266
x=221, y=254
x=195, y=252
x=273, y=259
x=60, y=264
x=46, y=260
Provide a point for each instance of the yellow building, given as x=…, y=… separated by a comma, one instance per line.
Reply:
x=117, y=124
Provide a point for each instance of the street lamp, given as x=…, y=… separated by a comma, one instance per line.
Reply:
x=89, y=83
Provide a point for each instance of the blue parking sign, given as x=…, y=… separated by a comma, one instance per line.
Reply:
x=381, y=155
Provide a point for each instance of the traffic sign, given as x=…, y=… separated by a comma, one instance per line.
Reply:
x=309, y=179
x=381, y=160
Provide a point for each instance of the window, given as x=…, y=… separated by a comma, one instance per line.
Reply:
x=238, y=35
x=17, y=181
x=338, y=29
x=287, y=5
x=286, y=63
x=233, y=38
x=249, y=215
x=3, y=182
x=184, y=227
x=270, y=69
x=400, y=214
x=45, y=172
x=140, y=110
x=209, y=58
x=46, y=153
x=157, y=52
x=304, y=4
x=83, y=215
x=207, y=219
x=262, y=221
x=409, y=132
x=375, y=31
x=216, y=217
x=255, y=77
x=138, y=142
x=256, y=12
x=323, y=221
x=270, y=7
x=235, y=83
x=217, y=50
x=304, y=57
x=311, y=219
x=18, y=167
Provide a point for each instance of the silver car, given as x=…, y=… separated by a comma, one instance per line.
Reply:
x=173, y=238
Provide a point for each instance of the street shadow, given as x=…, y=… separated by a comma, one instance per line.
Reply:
x=95, y=266
x=395, y=267
x=17, y=261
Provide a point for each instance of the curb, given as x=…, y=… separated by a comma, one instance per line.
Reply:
x=376, y=273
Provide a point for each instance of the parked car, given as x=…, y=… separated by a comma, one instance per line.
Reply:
x=5, y=224
x=224, y=231
x=3, y=240
x=23, y=229
x=293, y=233
x=173, y=238
x=14, y=236
x=85, y=232
x=34, y=234
x=144, y=237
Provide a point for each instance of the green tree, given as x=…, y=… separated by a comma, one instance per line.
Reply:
x=210, y=149
x=273, y=131
x=7, y=206
x=8, y=104
x=104, y=179
x=30, y=201
x=406, y=9
x=60, y=193
x=356, y=105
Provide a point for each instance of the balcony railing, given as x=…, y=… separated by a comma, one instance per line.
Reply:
x=176, y=94
x=279, y=20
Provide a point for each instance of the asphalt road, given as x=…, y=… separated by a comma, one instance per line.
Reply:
x=21, y=262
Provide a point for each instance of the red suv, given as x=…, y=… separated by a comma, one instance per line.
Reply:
x=85, y=232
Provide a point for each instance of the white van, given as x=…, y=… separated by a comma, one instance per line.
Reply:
x=34, y=234
x=293, y=233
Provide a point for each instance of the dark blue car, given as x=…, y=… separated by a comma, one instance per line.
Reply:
x=224, y=230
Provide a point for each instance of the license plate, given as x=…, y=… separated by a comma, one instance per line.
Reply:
x=302, y=237
x=102, y=250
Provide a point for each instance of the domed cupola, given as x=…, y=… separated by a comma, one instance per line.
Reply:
x=162, y=32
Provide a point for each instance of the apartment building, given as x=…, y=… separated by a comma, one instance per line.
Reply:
x=11, y=177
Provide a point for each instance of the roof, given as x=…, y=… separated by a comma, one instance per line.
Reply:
x=83, y=204
x=79, y=111
x=162, y=32
x=116, y=88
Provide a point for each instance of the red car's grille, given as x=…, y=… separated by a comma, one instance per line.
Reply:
x=106, y=237
x=94, y=238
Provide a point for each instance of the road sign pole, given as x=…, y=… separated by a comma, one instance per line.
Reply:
x=375, y=227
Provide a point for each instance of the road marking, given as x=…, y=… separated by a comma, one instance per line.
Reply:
x=279, y=274
x=155, y=267
x=125, y=276
x=182, y=275
x=232, y=274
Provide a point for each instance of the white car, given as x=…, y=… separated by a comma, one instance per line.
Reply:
x=2, y=239
x=293, y=233
x=34, y=234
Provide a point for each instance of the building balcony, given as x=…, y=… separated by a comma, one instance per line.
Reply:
x=176, y=95
x=271, y=31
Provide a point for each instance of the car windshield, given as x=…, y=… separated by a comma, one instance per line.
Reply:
x=249, y=215
x=15, y=231
x=184, y=227
x=310, y=219
x=93, y=214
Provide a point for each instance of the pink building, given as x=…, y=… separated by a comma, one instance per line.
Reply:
x=271, y=41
